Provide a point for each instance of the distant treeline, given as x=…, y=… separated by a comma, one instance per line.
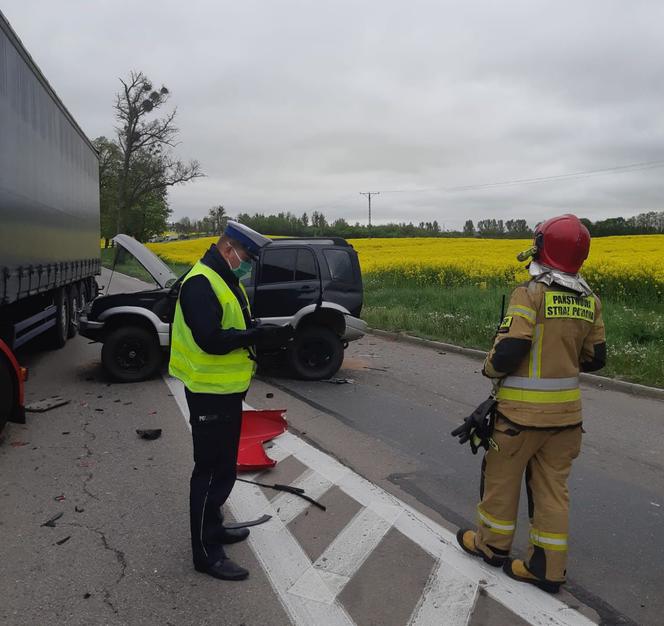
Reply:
x=317, y=225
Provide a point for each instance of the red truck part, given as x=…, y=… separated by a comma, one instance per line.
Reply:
x=12, y=377
x=258, y=427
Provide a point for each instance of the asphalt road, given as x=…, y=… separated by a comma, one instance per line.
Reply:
x=391, y=424
x=410, y=398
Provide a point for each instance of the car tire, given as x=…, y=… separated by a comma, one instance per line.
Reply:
x=58, y=334
x=131, y=354
x=74, y=304
x=316, y=353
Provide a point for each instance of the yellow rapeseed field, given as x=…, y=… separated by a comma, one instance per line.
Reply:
x=629, y=266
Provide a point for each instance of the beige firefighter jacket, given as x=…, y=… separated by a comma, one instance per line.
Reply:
x=563, y=329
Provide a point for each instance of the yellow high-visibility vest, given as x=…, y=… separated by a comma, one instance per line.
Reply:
x=211, y=373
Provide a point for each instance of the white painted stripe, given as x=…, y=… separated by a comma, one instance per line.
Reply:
x=448, y=598
x=288, y=506
x=285, y=562
x=531, y=604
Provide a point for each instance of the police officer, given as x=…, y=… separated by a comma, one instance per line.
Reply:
x=553, y=329
x=212, y=353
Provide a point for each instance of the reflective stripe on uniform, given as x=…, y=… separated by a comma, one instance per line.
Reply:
x=548, y=541
x=538, y=397
x=540, y=384
x=535, y=362
x=499, y=526
x=522, y=311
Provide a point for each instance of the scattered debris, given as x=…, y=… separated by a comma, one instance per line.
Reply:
x=79, y=509
x=99, y=410
x=19, y=444
x=65, y=432
x=297, y=491
x=339, y=381
x=98, y=397
x=261, y=520
x=46, y=404
x=51, y=522
x=118, y=400
x=153, y=412
x=60, y=498
x=127, y=403
x=64, y=540
x=87, y=463
x=269, y=395
x=86, y=596
x=655, y=504
x=149, y=433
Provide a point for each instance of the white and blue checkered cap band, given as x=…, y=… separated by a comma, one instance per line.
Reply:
x=248, y=237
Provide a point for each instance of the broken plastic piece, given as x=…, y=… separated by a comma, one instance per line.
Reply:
x=339, y=381
x=261, y=520
x=64, y=540
x=258, y=427
x=149, y=433
x=46, y=404
x=51, y=522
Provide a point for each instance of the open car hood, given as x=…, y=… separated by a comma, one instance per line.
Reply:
x=160, y=272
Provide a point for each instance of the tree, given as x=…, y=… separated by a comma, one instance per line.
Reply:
x=469, y=228
x=110, y=159
x=218, y=219
x=147, y=166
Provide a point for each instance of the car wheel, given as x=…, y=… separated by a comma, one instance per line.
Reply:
x=131, y=354
x=58, y=334
x=316, y=353
x=74, y=304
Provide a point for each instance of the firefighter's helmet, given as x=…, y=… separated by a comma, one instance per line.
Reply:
x=563, y=243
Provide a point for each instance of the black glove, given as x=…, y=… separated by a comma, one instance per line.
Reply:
x=477, y=427
x=274, y=337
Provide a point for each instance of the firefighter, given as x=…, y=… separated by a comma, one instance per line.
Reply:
x=552, y=330
x=213, y=354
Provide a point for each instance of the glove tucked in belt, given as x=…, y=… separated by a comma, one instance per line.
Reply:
x=478, y=427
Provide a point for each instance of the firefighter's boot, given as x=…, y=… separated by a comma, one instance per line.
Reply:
x=516, y=569
x=466, y=539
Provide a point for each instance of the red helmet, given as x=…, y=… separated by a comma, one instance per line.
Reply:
x=562, y=243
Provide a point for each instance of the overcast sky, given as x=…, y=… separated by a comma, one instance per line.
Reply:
x=300, y=105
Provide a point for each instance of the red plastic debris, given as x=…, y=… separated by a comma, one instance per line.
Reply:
x=258, y=427
x=19, y=444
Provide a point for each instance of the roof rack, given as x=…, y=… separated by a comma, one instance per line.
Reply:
x=336, y=241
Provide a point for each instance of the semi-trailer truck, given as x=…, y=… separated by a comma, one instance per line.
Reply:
x=49, y=217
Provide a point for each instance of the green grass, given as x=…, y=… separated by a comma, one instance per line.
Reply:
x=468, y=316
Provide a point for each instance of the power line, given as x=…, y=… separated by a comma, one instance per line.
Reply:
x=618, y=169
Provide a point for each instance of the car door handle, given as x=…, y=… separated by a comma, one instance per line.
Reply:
x=307, y=288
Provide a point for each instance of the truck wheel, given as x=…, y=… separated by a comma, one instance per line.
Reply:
x=131, y=354
x=316, y=353
x=74, y=304
x=6, y=392
x=58, y=334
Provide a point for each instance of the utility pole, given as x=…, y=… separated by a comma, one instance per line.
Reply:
x=368, y=194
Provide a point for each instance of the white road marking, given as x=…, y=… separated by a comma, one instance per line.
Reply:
x=309, y=592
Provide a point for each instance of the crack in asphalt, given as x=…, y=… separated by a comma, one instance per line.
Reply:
x=88, y=455
x=120, y=557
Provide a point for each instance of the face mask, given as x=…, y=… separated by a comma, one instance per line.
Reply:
x=243, y=269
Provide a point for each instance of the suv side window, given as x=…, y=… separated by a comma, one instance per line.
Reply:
x=340, y=265
x=278, y=266
x=306, y=266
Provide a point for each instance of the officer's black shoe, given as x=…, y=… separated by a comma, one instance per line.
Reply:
x=516, y=569
x=466, y=539
x=225, y=569
x=226, y=536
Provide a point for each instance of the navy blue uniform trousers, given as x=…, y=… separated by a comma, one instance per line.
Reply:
x=215, y=420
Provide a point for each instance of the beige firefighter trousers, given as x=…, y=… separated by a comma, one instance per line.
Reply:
x=546, y=457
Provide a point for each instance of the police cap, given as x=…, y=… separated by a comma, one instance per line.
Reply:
x=247, y=237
